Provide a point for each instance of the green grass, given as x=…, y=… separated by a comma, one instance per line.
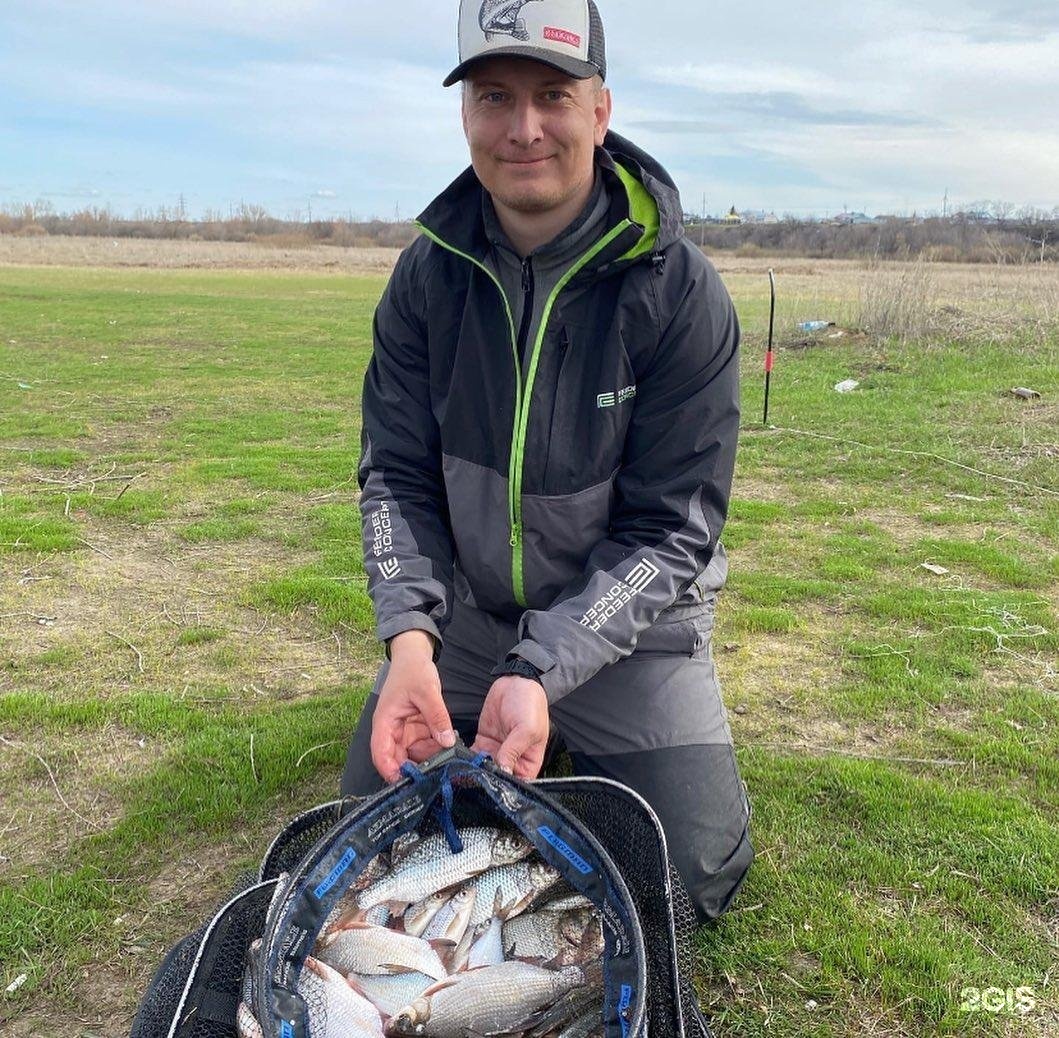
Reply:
x=180, y=568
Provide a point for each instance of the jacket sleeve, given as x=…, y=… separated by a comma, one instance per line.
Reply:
x=408, y=548
x=672, y=493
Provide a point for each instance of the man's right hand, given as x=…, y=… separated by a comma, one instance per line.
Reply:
x=411, y=721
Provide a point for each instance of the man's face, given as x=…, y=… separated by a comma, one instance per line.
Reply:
x=532, y=131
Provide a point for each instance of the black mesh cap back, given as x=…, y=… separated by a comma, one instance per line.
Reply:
x=597, y=44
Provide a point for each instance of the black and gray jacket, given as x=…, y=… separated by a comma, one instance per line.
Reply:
x=580, y=490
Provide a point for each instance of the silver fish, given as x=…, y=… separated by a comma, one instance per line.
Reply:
x=392, y=992
x=488, y=948
x=450, y=923
x=347, y=908
x=483, y=1001
x=419, y=916
x=519, y=884
x=566, y=903
x=586, y=997
x=431, y=866
x=363, y=948
x=544, y=935
x=336, y=1010
x=586, y=1025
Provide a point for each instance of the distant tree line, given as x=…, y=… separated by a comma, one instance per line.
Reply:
x=1028, y=236
x=990, y=234
x=247, y=223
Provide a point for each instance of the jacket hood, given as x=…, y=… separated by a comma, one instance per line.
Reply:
x=641, y=191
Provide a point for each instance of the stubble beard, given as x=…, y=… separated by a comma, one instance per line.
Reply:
x=536, y=200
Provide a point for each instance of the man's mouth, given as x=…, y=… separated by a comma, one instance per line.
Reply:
x=526, y=162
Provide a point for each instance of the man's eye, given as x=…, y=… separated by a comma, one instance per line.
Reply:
x=555, y=95
x=493, y=97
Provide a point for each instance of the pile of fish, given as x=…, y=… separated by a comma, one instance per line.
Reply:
x=431, y=944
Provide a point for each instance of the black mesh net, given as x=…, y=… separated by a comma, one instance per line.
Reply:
x=214, y=958
x=299, y=837
x=631, y=836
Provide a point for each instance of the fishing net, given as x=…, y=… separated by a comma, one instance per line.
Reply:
x=197, y=990
x=453, y=792
x=632, y=835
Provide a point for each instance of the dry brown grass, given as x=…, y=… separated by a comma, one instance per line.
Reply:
x=968, y=301
x=69, y=251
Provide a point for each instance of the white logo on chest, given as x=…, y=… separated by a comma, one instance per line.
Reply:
x=619, y=397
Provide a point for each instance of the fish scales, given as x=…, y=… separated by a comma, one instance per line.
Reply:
x=391, y=993
x=484, y=1000
x=335, y=1009
x=420, y=915
x=520, y=882
x=363, y=948
x=544, y=934
x=431, y=866
x=451, y=921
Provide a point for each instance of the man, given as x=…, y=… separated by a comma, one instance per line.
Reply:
x=550, y=418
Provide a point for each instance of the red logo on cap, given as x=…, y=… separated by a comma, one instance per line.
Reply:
x=562, y=36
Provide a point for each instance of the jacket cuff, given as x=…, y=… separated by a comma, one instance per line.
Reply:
x=411, y=621
x=545, y=662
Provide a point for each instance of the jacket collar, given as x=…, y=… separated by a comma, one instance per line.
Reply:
x=641, y=191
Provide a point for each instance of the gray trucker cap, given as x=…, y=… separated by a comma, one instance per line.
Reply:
x=566, y=34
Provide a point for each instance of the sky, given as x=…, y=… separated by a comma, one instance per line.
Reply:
x=336, y=108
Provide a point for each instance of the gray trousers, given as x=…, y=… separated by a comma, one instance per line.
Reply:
x=653, y=721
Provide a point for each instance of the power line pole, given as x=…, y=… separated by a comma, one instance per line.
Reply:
x=945, y=205
x=702, y=226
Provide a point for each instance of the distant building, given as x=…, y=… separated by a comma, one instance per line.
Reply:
x=848, y=219
x=732, y=217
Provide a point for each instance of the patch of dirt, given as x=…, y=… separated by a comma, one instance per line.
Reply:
x=180, y=897
x=59, y=788
x=774, y=685
x=121, y=607
x=834, y=336
x=906, y=529
x=753, y=488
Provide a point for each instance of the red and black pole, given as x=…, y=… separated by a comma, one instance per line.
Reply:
x=769, y=355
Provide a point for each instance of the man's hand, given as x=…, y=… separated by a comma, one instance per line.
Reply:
x=513, y=727
x=411, y=721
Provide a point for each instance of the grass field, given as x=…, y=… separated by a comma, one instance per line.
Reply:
x=185, y=639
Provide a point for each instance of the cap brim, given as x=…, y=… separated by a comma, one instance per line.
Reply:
x=571, y=66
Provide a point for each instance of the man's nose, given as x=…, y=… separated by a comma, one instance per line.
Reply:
x=525, y=127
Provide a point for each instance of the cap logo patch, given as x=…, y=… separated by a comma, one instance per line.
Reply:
x=562, y=36
x=500, y=18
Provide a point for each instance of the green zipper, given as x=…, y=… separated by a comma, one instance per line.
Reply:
x=523, y=395
x=522, y=419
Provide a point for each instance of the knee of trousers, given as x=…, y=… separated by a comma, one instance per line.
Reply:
x=713, y=853
x=711, y=884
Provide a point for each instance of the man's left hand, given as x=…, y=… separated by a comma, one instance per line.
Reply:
x=514, y=726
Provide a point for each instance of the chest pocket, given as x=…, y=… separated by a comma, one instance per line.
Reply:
x=593, y=389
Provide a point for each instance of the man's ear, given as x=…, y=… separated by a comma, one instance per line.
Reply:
x=604, y=107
